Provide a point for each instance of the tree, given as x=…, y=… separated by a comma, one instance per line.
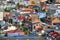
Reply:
x=33, y=2
x=7, y=9
x=18, y=5
x=26, y=30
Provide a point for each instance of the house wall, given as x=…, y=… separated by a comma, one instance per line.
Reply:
x=56, y=20
x=34, y=18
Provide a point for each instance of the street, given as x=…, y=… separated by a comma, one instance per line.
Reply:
x=26, y=38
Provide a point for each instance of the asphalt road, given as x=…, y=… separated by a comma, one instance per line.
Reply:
x=26, y=38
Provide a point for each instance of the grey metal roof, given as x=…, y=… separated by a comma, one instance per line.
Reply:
x=51, y=6
x=51, y=12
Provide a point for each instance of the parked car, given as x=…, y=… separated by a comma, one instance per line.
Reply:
x=54, y=35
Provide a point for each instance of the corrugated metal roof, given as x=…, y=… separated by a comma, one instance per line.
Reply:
x=51, y=6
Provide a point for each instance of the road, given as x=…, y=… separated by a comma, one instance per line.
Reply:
x=26, y=38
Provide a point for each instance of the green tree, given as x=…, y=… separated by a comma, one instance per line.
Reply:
x=26, y=30
x=17, y=4
x=33, y=2
x=7, y=10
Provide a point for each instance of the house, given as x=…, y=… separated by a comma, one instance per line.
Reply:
x=36, y=25
x=6, y=13
x=30, y=6
x=53, y=20
x=20, y=32
x=26, y=11
x=22, y=2
x=56, y=21
x=34, y=18
x=2, y=15
x=9, y=28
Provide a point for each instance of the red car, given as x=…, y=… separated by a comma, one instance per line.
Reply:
x=54, y=34
x=40, y=29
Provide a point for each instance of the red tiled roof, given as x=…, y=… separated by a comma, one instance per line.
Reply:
x=17, y=30
x=28, y=11
x=21, y=17
x=12, y=31
x=22, y=33
x=9, y=15
x=45, y=5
